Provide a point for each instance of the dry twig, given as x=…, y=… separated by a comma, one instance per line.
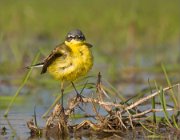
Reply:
x=142, y=100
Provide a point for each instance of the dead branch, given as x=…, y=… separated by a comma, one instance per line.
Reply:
x=108, y=105
x=140, y=101
x=58, y=121
x=118, y=117
x=149, y=111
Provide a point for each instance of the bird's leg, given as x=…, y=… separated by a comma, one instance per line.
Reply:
x=62, y=95
x=77, y=93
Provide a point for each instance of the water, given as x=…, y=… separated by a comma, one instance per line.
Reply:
x=15, y=125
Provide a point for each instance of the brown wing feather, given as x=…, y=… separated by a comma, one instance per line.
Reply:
x=89, y=45
x=59, y=51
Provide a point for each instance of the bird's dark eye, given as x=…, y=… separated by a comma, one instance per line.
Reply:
x=75, y=35
x=78, y=37
x=81, y=37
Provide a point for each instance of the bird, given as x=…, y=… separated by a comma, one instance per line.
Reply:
x=69, y=60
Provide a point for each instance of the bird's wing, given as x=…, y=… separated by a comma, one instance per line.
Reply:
x=36, y=65
x=59, y=51
x=89, y=45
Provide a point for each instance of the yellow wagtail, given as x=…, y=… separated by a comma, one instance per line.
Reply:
x=69, y=60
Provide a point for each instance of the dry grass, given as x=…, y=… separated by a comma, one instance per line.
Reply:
x=119, y=117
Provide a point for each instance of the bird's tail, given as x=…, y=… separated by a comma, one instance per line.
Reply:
x=35, y=65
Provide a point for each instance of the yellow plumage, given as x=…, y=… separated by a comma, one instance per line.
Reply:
x=69, y=60
x=77, y=62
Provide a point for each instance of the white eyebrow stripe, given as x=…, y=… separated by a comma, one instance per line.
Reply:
x=71, y=36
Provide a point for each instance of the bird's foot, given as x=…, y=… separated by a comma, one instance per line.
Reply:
x=79, y=97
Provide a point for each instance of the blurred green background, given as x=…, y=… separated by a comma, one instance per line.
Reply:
x=131, y=39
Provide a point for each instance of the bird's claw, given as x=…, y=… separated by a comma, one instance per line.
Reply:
x=79, y=97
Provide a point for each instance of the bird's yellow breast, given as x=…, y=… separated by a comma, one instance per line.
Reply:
x=75, y=64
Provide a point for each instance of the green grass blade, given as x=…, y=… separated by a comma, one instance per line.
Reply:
x=13, y=131
x=169, y=84
x=21, y=86
x=147, y=128
x=164, y=106
x=174, y=121
x=113, y=90
x=153, y=103
x=53, y=105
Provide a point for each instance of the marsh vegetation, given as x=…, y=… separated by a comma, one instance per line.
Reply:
x=136, y=49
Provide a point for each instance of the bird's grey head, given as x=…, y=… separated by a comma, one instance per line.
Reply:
x=76, y=35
